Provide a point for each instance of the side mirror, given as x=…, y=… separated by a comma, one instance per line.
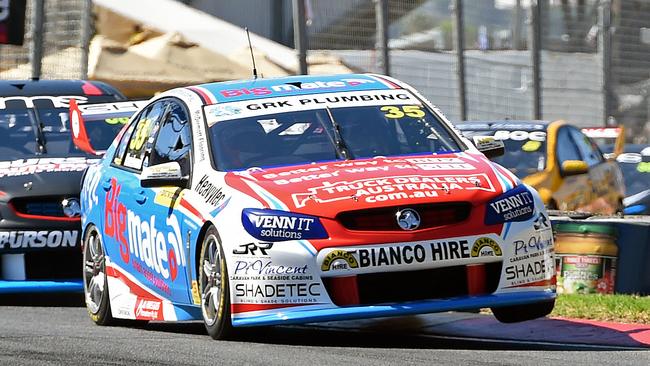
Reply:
x=574, y=167
x=489, y=146
x=166, y=174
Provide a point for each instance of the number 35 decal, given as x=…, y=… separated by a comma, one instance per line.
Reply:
x=401, y=111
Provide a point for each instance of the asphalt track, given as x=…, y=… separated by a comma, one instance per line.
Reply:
x=32, y=333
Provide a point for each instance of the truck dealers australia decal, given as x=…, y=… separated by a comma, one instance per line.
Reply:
x=392, y=188
x=142, y=243
x=44, y=165
x=409, y=256
x=44, y=239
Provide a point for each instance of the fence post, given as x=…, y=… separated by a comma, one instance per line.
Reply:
x=36, y=47
x=300, y=34
x=86, y=20
x=459, y=44
x=381, y=45
x=536, y=45
x=605, y=47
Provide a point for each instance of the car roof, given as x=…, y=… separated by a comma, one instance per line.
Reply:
x=233, y=91
x=48, y=87
x=506, y=124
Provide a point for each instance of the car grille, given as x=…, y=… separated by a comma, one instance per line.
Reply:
x=383, y=219
x=430, y=284
x=52, y=265
x=39, y=206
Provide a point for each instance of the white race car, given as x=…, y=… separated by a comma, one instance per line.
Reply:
x=305, y=199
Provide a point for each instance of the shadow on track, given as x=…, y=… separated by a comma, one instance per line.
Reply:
x=316, y=336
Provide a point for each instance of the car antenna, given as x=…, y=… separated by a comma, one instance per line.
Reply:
x=250, y=46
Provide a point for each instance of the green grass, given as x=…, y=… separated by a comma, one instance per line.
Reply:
x=616, y=308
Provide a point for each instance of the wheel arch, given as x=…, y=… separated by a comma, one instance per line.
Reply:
x=199, y=243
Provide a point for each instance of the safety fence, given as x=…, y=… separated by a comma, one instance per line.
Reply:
x=586, y=61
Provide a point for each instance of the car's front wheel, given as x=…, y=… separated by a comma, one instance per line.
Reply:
x=94, y=277
x=214, y=287
x=520, y=313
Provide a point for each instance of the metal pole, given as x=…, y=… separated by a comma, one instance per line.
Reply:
x=36, y=49
x=516, y=29
x=381, y=16
x=86, y=20
x=605, y=45
x=300, y=34
x=536, y=45
x=459, y=44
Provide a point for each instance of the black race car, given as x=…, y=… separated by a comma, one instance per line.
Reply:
x=40, y=175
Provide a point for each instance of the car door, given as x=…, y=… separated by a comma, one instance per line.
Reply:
x=574, y=191
x=157, y=208
x=604, y=175
x=135, y=235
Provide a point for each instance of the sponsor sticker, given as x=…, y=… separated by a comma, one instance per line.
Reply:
x=374, y=190
x=253, y=249
x=532, y=247
x=44, y=239
x=515, y=205
x=274, y=225
x=212, y=193
x=485, y=247
x=155, y=253
x=278, y=293
x=339, y=260
x=45, y=165
x=148, y=309
x=257, y=107
x=430, y=254
x=536, y=270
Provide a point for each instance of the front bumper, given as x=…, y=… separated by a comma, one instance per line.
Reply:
x=41, y=286
x=315, y=313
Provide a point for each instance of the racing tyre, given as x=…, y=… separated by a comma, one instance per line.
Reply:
x=520, y=313
x=94, y=277
x=214, y=287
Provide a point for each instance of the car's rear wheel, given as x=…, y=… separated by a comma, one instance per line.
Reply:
x=214, y=287
x=520, y=313
x=94, y=277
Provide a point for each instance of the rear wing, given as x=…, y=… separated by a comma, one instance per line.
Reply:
x=613, y=135
x=113, y=112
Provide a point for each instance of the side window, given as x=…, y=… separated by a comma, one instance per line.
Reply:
x=174, y=139
x=590, y=153
x=566, y=149
x=124, y=142
x=139, y=146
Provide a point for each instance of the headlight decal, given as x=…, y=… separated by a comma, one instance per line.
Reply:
x=276, y=225
x=516, y=204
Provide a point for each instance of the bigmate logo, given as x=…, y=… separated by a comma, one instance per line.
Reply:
x=142, y=243
x=514, y=205
x=295, y=86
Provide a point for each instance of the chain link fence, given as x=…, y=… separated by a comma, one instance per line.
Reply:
x=593, y=65
x=62, y=50
x=592, y=69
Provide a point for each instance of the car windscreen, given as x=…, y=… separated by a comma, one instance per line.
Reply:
x=312, y=132
x=525, y=150
x=19, y=132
